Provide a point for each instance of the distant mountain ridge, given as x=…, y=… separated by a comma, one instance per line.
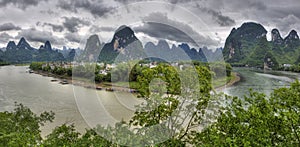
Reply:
x=23, y=52
x=248, y=45
x=123, y=46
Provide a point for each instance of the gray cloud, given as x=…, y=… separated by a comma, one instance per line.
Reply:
x=218, y=16
x=23, y=4
x=238, y=5
x=179, y=1
x=158, y=25
x=221, y=19
x=129, y=1
x=72, y=24
x=73, y=37
x=40, y=36
x=9, y=27
x=50, y=12
x=259, y=5
x=4, y=37
x=170, y=1
x=163, y=31
x=96, y=7
x=55, y=28
x=288, y=23
x=97, y=29
x=291, y=10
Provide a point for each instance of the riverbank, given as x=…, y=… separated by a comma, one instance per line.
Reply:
x=234, y=78
x=63, y=79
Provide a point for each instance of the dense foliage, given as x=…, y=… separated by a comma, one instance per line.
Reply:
x=292, y=68
x=22, y=127
x=257, y=120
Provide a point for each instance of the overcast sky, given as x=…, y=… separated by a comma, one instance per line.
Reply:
x=197, y=22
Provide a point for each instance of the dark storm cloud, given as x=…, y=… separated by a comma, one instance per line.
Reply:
x=39, y=36
x=221, y=19
x=72, y=24
x=9, y=27
x=218, y=17
x=95, y=7
x=23, y=4
x=163, y=31
x=158, y=25
x=73, y=37
x=4, y=37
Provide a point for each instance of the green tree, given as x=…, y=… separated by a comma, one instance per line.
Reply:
x=91, y=138
x=256, y=58
x=22, y=127
x=64, y=135
x=256, y=120
x=36, y=65
x=172, y=95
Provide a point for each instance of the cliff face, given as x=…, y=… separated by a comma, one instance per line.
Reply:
x=276, y=37
x=239, y=43
x=124, y=42
x=244, y=46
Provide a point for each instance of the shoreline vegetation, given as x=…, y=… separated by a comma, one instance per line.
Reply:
x=3, y=63
x=230, y=81
x=131, y=86
x=108, y=86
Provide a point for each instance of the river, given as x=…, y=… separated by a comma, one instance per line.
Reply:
x=40, y=94
x=87, y=107
x=260, y=81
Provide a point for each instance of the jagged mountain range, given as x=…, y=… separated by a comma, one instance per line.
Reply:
x=248, y=45
x=24, y=53
x=126, y=46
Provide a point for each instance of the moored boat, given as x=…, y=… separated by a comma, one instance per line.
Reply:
x=99, y=88
x=64, y=82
